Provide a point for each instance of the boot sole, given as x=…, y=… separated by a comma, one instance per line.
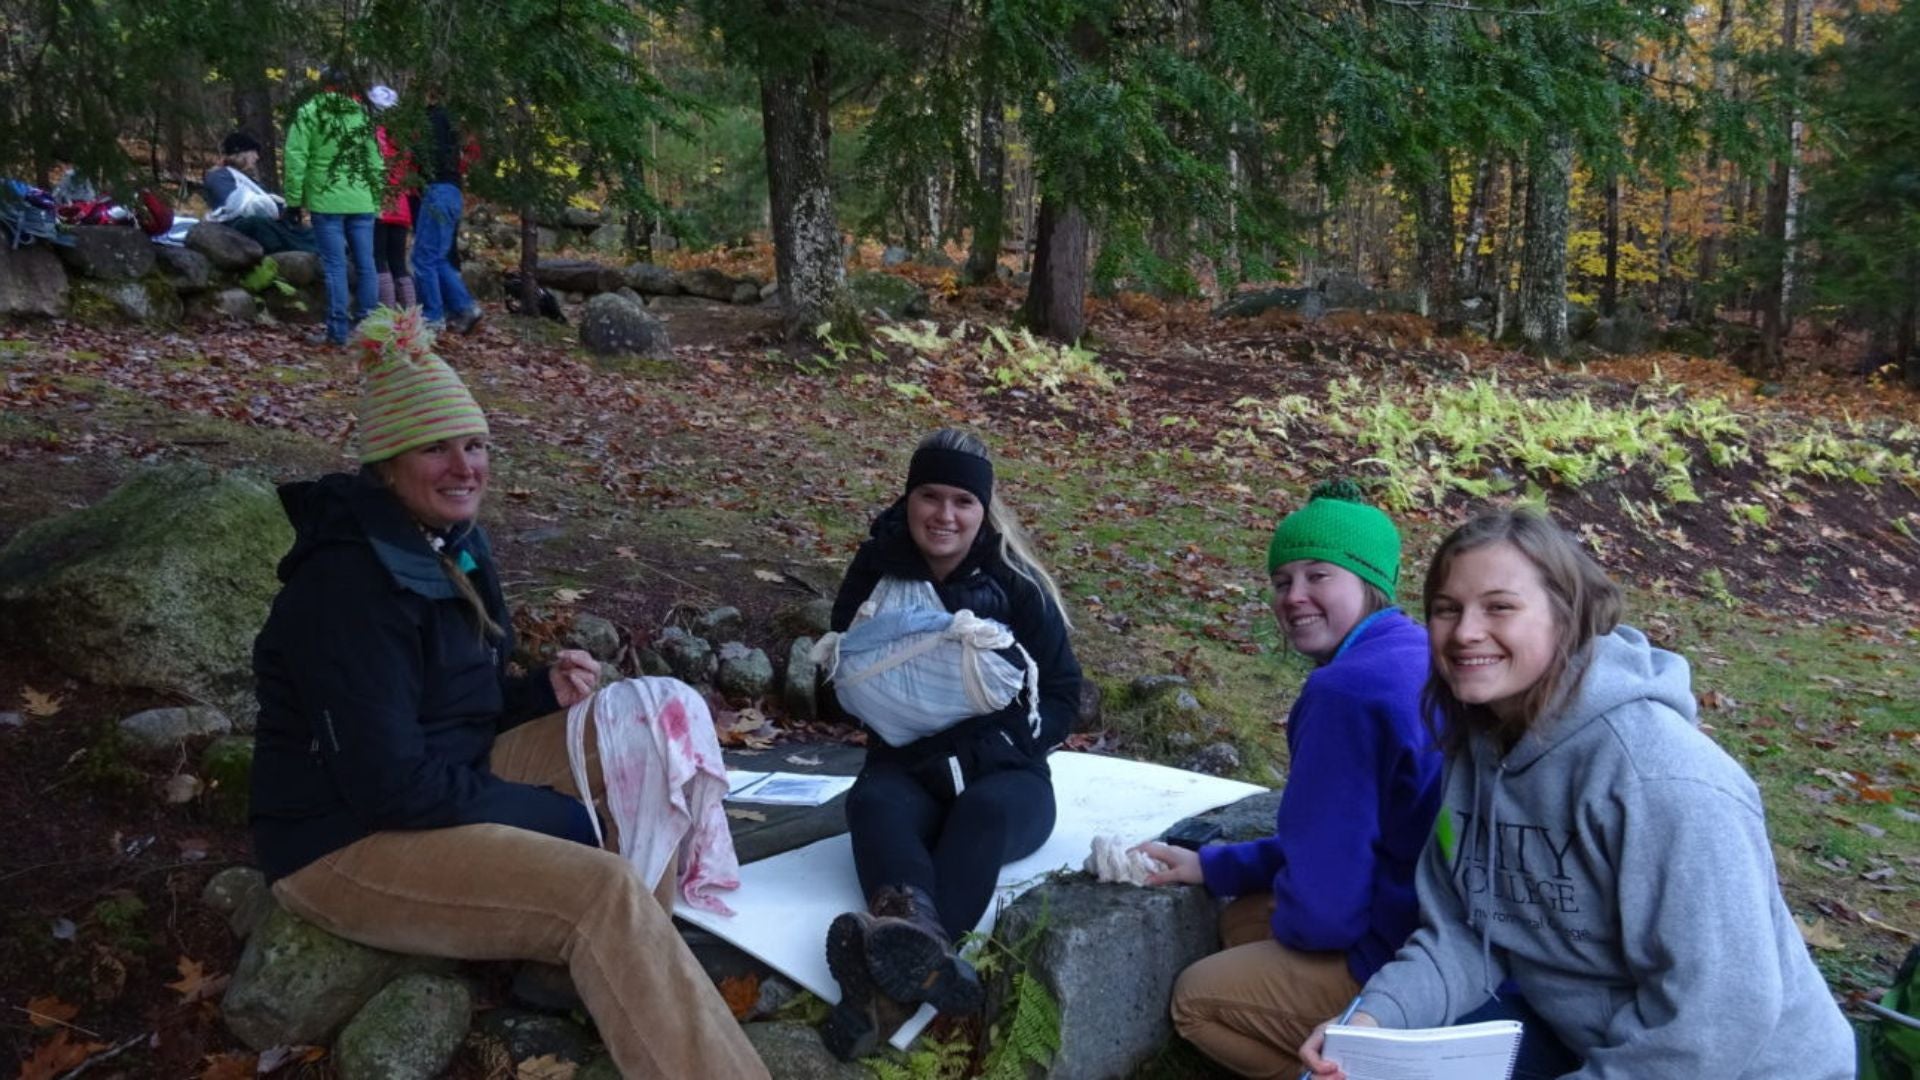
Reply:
x=851, y=1030
x=908, y=964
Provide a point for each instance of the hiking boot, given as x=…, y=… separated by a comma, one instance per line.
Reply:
x=863, y=1015
x=911, y=958
x=467, y=321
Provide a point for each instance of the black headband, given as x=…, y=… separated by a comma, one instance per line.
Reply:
x=956, y=468
x=239, y=143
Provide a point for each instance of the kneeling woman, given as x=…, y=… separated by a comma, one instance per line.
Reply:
x=400, y=796
x=933, y=820
x=1329, y=897
x=1601, y=852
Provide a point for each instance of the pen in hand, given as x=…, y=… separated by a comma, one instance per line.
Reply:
x=1352, y=1007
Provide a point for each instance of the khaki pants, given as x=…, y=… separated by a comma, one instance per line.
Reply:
x=492, y=892
x=1250, y=1006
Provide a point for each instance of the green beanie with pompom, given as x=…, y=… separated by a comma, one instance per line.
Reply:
x=1338, y=526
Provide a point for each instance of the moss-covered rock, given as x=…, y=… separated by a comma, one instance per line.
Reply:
x=409, y=1030
x=226, y=767
x=886, y=295
x=163, y=584
x=296, y=983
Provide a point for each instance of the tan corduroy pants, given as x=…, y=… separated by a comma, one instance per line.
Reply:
x=1251, y=1005
x=492, y=892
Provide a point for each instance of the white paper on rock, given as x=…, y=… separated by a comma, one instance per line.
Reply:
x=785, y=902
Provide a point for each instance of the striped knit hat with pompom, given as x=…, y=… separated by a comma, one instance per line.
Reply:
x=1337, y=526
x=412, y=397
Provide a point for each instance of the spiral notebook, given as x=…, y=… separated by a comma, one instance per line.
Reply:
x=1484, y=1051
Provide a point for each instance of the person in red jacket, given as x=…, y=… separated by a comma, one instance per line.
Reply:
x=395, y=220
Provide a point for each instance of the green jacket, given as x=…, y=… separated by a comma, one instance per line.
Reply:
x=333, y=164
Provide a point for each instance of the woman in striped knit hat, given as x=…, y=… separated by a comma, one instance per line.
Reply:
x=409, y=792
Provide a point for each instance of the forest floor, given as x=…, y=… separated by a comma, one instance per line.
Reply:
x=1770, y=539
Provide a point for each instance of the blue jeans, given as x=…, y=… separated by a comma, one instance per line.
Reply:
x=441, y=291
x=1542, y=1054
x=337, y=234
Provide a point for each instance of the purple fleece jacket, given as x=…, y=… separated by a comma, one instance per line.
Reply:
x=1363, y=785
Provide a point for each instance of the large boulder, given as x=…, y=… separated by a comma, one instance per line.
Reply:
x=793, y=1051
x=886, y=295
x=149, y=301
x=1251, y=818
x=801, y=692
x=577, y=275
x=579, y=217
x=169, y=727
x=1346, y=290
x=233, y=305
x=709, y=283
x=296, y=983
x=1625, y=333
x=743, y=672
x=299, y=267
x=186, y=270
x=108, y=253
x=608, y=239
x=239, y=893
x=651, y=279
x=227, y=248
x=690, y=658
x=409, y=1031
x=163, y=584
x=1309, y=303
x=33, y=281
x=617, y=324
x=483, y=280
x=1109, y=955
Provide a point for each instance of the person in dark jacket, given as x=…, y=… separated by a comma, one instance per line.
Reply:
x=444, y=159
x=1327, y=899
x=934, y=820
x=404, y=795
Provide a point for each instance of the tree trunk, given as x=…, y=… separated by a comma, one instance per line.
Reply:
x=1433, y=240
x=1905, y=345
x=806, y=238
x=1796, y=194
x=1773, y=290
x=1663, y=271
x=1610, y=283
x=1466, y=275
x=253, y=114
x=1710, y=238
x=989, y=211
x=529, y=262
x=1518, y=184
x=1543, y=263
x=1057, y=296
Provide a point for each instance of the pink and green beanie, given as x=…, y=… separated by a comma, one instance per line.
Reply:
x=412, y=397
x=1339, y=527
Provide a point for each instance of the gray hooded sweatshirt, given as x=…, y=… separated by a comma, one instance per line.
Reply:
x=1616, y=866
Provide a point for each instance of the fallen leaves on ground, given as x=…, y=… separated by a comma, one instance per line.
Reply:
x=234, y=1066
x=741, y=993
x=35, y=703
x=1818, y=934
x=57, y=1056
x=545, y=1067
x=49, y=1011
x=745, y=815
x=194, y=983
x=182, y=787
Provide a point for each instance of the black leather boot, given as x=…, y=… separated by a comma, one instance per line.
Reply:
x=911, y=959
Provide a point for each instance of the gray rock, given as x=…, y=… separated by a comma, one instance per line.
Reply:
x=409, y=1031
x=228, y=249
x=296, y=983
x=1627, y=333
x=1089, y=716
x=1214, y=759
x=720, y=623
x=663, y=242
x=546, y=987
x=529, y=1035
x=483, y=280
x=544, y=239
x=709, y=283
x=162, y=728
x=1109, y=955
x=894, y=255
x=690, y=658
x=13, y=720
x=1146, y=688
x=186, y=270
x=108, y=252
x=1345, y=290
x=226, y=767
x=1247, y=305
x=1020, y=279
x=649, y=279
x=810, y=618
x=299, y=267
x=651, y=662
x=577, y=276
x=600, y=1068
x=801, y=690
x=608, y=239
x=743, y=672
x=794, y=1051
x=579, y=217
x=1252, y=818
x=32, y=282
x=598, y=636
x=227, y=304
x=1580, y=320
x=502, y=234
x=149, y=301
x=768, y=291
x=616, y=325
x=889, y=296
x=163, y=584
x=747, y=292
x=240, y=893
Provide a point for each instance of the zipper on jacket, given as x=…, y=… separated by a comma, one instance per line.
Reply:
x=326, y=717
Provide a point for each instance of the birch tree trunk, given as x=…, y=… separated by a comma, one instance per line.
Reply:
x=1715, y=227
x=806, y=237
x=1777, y=224
x=1543, y=259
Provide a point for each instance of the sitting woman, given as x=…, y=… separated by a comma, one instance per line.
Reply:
x=235, y=199
x=1600, y=851
x=1328, y=898
x=404, y=796
x=934, y=819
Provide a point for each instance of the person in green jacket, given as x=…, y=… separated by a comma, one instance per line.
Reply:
x=333, y=170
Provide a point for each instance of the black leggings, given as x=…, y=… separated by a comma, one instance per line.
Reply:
x=390, y=249
x=903, y=835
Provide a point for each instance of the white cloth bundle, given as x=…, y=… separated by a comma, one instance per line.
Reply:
x=909, y=669
x=1114, y=860
x=248, y=199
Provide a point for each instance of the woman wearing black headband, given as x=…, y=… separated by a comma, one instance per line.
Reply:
x=933, y=821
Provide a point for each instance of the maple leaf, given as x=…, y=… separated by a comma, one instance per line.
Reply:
x=570, y=596
x=47, y=1011
x=1818, y=934
x=35, y=703
x=545, y=1067
x=194, y=983
x=57, y=1056
x=741, y=993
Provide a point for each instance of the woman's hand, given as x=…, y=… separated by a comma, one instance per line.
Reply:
x=574, y=675
x=1182, y=865
x=1310, y=1050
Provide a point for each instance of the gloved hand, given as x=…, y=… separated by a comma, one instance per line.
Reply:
x=292, y=215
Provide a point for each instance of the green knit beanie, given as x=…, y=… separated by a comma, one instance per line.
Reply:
x=1337, y=526
x=412, y=397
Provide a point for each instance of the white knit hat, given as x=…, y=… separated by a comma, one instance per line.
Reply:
x=383, y=97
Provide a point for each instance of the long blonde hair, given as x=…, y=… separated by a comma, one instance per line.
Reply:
x=1016, y=548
